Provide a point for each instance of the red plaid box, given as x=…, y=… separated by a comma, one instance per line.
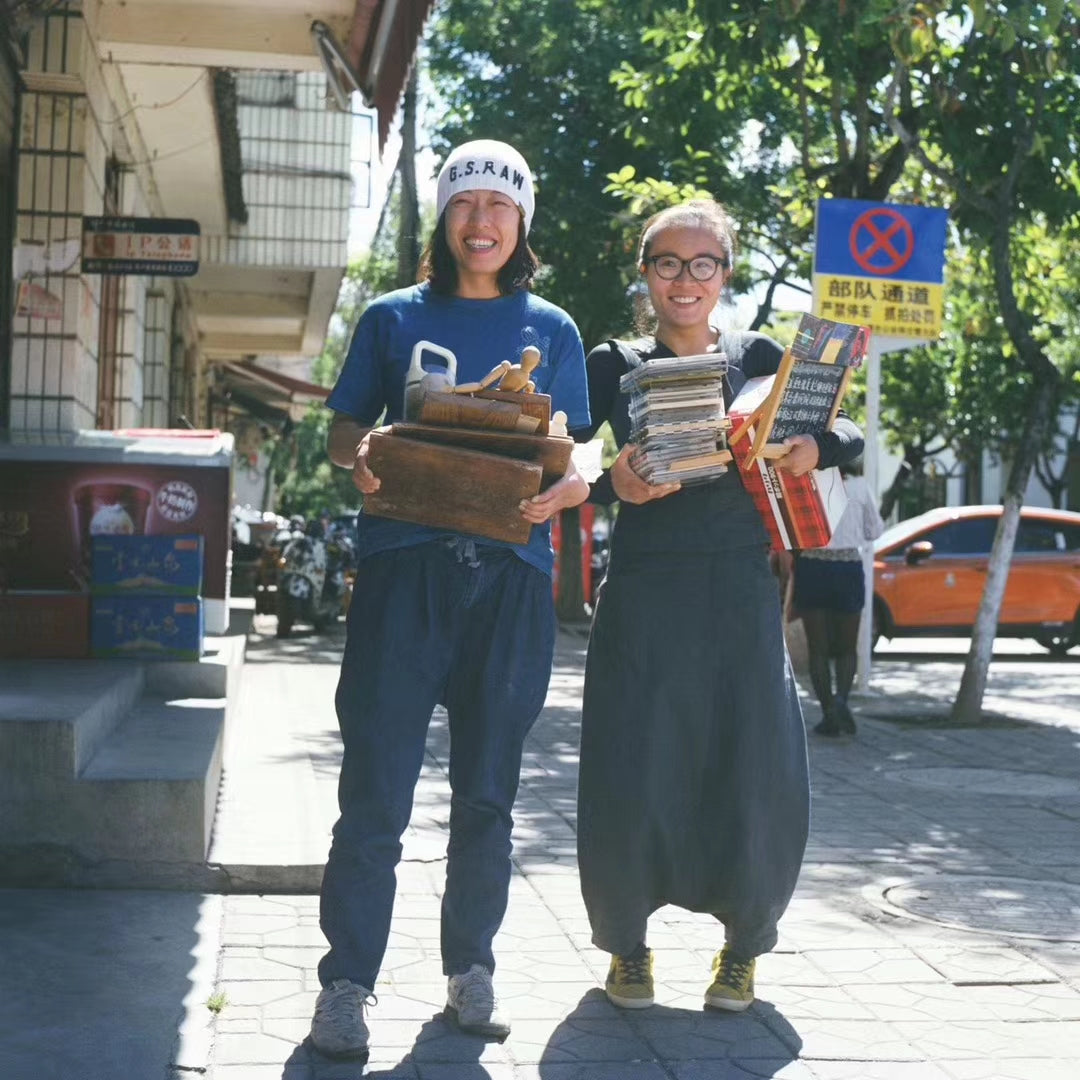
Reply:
x=798, y=511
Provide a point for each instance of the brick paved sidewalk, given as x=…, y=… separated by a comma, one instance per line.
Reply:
x=916, y=948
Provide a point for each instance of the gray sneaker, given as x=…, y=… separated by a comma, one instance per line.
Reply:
x=471, y=1003
x=337, y=1028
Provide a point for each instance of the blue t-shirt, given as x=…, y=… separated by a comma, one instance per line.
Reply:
x=480, y=334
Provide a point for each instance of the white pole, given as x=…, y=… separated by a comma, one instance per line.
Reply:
x=873, y=409
x=870, y=475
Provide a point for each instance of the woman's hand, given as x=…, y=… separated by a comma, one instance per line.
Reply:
x=802, y=456
x=363, y=478
x=630, y=487
x=571, y=490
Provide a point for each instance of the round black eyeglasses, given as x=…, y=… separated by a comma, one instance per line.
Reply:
x=701, y=267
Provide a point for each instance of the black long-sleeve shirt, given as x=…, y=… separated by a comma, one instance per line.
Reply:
x=750, y=354
x=708, y=517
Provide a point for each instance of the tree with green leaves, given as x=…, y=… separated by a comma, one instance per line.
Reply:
x=768, y=105
x=996, y=89
x=974, y=103
x=772, y=104
x=780, y=105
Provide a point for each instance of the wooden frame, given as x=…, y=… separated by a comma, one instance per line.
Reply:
x=833, y=341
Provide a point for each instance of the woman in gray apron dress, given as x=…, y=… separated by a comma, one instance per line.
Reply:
x=693, y=787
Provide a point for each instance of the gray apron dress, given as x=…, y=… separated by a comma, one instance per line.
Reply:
x=693, y=786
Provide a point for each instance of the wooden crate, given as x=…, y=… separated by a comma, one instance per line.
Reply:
x=450, y=487
x=551, y=452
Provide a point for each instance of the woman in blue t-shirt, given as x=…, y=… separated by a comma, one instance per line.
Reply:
x=438, y=617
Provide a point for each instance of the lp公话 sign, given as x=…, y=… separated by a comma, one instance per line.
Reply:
x=164, y=247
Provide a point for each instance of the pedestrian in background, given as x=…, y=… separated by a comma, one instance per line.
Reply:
x=438, y=617
x=829, y=596
x=693, y=787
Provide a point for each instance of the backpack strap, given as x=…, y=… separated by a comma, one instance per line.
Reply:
x=629, y=355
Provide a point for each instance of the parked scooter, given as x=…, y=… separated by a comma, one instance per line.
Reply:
x=312, y=580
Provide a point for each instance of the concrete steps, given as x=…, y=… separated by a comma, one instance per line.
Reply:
x=55, y=713
x=110, y=770
x=151, y=788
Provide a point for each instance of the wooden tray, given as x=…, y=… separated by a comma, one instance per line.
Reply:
x=551, y=452
x=448, y=487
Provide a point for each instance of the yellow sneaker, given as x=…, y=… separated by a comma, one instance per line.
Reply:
x=630, y=981
x=733, y=982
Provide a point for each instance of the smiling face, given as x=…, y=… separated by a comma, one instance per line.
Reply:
x=685, y=302
x=482, y=230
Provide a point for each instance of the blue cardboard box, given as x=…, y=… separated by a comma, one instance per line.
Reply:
x=161, y=565
x=146, y=627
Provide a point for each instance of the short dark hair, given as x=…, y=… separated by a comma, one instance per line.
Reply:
x=705, y=214
x=438, y=269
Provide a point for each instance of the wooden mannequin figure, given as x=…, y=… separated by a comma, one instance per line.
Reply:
x=517, y=375
x=511, y=377
x=485, y=382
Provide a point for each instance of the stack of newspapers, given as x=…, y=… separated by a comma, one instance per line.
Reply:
x=678, y=424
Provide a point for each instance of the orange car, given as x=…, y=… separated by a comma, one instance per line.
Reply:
x=930, y=572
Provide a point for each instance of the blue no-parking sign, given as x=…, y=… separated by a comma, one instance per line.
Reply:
x=882, y=264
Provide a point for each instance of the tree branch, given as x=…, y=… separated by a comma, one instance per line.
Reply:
x=914, y=147
x=765, y=307
x=860, y=180
x=843, y=152
x=804, y=105
x=1025, y=140
x=891, y=165
x=1017, y=322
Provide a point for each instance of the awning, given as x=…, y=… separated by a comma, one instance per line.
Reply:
x=261, y=392
x=382, y=42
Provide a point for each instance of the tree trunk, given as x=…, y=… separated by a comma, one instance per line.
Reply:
x=910, y=468
x=408, y=246
x=1046, y=384
x=1056, y=481
x=967, y=709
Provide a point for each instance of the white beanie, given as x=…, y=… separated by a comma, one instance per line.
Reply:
x=488, y=165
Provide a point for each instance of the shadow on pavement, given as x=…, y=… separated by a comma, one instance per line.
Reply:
x=438, y=1043
x=633, y=1043
x=304, y=645
x=120, y=969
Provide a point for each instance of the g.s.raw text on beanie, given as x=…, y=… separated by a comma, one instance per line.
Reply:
x=488, y=165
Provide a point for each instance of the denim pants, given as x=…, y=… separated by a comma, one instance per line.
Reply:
x=471, y=627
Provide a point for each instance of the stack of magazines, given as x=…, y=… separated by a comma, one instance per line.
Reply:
x=678, y=424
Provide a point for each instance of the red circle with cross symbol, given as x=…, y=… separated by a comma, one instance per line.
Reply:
x=881, y=241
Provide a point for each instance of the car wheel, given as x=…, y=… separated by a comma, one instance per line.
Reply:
x=1056, y=644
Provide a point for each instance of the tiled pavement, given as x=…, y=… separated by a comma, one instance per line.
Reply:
x=940, y=863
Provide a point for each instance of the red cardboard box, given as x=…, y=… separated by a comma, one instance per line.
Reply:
x=37, y=625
